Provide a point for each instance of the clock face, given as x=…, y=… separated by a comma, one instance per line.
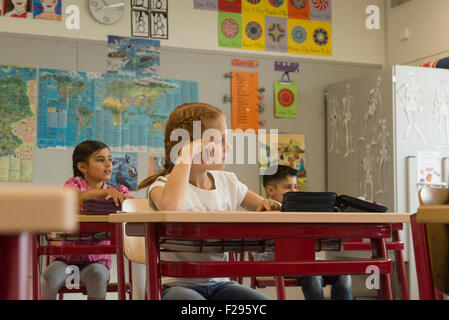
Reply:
x=107, y=11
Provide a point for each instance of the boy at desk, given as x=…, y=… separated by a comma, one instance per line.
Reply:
x=285, y=180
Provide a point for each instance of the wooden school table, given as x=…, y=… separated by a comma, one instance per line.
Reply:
x=292, y=230
x=22, y=211
x=426, y=214
x=89, y=223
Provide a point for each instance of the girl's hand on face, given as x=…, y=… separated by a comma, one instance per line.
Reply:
x=269, y=205
x=192, y=152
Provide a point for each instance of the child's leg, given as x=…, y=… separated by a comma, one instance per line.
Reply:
x=53, y=279
x=341, y=287
x=181, y=293
x=95, y=277
x=230, y=290
x=312, y=287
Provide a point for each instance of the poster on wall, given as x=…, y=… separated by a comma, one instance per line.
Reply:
x=285, y=99
x=126, y=113
x=159, y=19
x=429, y=167
x=18, y=97
x=229, y=30
x=130, y=56
x=47, y=9
x=205, y=5
x=245, y=111
x=18, y=9
x=291, y=152
x=124, y=170
x=276, y=37
x=320, y=10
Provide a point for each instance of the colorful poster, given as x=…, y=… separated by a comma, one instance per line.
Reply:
x=126, y=113
x=320, y=10
x=253, y=32
x=299, y=9
x=155, y=165
x=18, y=99
x=276, y=8
x=245, y=111
x=131, y=56
x=257, y=7
x=229, y=30
x=47, y=9
x=245, y=63
x=18, y=9
x=291, y=151
x=429, y=167
x=299, y=36
x=124, y=170
x=285, y=99
x=205, y=5
x=230, y=6
x=276, y=36
x=321, y=33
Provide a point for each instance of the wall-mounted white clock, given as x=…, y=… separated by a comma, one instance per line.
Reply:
x=107, y=11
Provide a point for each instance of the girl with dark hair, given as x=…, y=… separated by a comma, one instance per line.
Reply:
x=92, y=167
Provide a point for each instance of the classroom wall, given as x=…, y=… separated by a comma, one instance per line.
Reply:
x=428, y=24
x=208, y=68
x=197, y=29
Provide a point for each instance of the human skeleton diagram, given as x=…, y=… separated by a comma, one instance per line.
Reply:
x=383, y=155
x=374, y=105
x=332, y=102
x=440, y=111
x=348, y=107
x=367, y=174
x=409, y=93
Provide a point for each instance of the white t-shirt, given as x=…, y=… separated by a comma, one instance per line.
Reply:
x=228, y=195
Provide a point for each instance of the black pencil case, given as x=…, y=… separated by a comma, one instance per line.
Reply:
x=350, y=204
x=309, y=201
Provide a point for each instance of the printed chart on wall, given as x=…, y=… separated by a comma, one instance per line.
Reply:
x=127, y=113
x=245, y=112
x=130, y=56
x=124, y=170
x=285, y=99
x=291, y=151
x=294, y=26
x=18, y=97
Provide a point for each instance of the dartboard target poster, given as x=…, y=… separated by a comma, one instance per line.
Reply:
x=229, y=30
x=285, y=99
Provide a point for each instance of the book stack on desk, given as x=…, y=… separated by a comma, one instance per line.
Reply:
x=99, y=206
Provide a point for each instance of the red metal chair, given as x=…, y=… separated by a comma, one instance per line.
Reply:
x=51, y=248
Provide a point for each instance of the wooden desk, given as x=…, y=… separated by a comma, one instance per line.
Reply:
x=88, y=223
x=290, y=229
x=24, y=210
x=433, y=214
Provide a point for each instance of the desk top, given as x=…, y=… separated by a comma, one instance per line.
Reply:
x=433, y=214
x=260, y=217
x=37, y=209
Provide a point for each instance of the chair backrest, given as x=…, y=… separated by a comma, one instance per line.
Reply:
x=437, y=238
x=134, y=247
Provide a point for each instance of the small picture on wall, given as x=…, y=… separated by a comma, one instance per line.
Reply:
x=140, y=24
x=18, y=8
x=159, y=25
x=47, y=9
x=140, y=5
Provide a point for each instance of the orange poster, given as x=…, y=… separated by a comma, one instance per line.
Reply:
x=299, y=9
x=245, y=111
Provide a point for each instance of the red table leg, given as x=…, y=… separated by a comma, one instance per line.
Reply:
x=379, y=250
x=36, y=267
x=400, y=268
x=280, y=288
x=153, y=261
x=14, y=257
x=120, y=261
x=422, y=260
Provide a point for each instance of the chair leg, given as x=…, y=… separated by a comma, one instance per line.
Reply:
x=130, y=274
x=61, y=296
x=36, y=267
x=379, y=250
x=400, y=269
x=280, y=288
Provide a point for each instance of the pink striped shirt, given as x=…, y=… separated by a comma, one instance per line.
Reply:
x=80, y=259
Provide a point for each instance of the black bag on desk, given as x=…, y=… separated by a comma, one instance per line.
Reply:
x=309, y=201
x=351, y=204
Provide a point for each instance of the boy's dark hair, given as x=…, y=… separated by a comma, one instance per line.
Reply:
x=281, y=173
x=83, y=151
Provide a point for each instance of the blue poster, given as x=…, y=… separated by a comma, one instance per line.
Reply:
x=124, y=171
